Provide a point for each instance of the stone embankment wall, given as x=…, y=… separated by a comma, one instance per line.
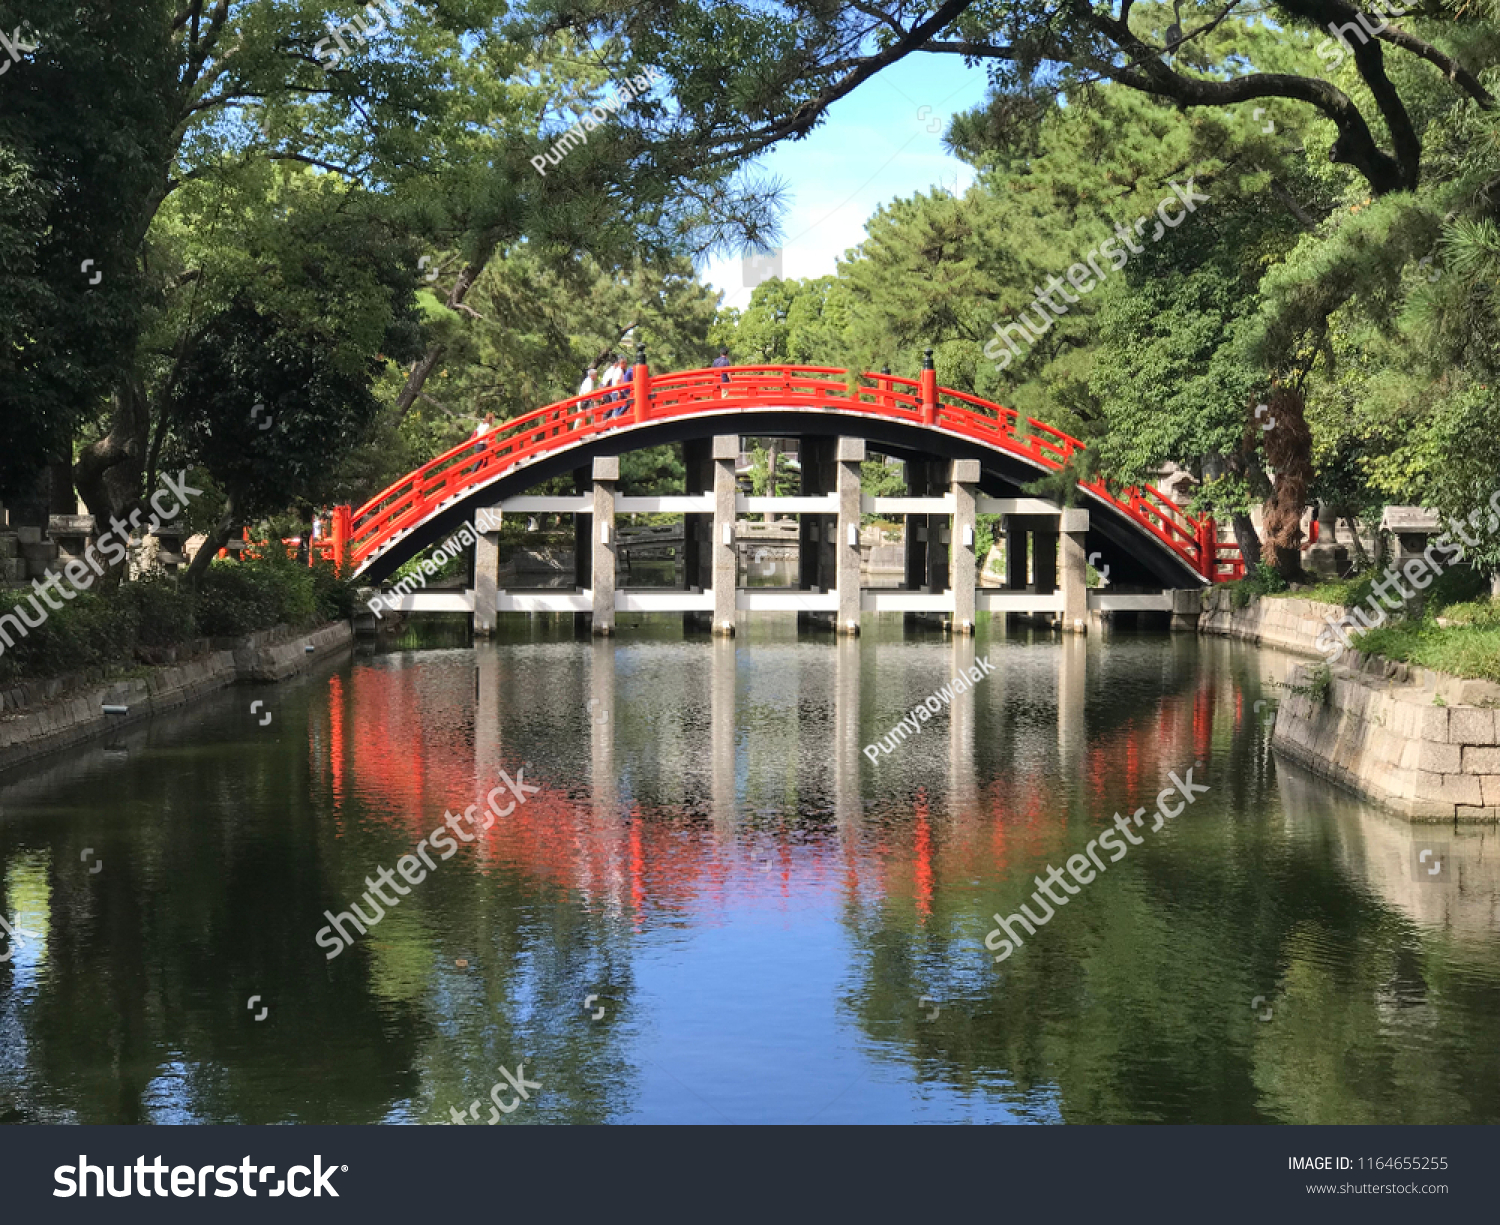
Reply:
x=1421, y=742
x=28, y=730
x=1290, y=624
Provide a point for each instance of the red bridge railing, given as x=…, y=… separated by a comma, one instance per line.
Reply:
x=355, y=537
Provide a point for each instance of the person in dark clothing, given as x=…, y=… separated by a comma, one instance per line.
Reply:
x=722, y=362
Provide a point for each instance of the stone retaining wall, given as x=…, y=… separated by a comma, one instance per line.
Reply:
x=1421, y=742
x=61, y=724
x=1287, y=623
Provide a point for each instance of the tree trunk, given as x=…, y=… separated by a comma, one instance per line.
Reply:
x=108, y=472
x=305, y=547
x=1351, y=521
x=217, y=537
x=1245, y=536
x=1288, y=444
x=454, y=302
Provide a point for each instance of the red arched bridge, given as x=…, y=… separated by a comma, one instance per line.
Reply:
x=1139, y=533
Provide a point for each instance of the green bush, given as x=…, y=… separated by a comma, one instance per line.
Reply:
x=234, y=599
x=88, y=631
x=240, y=597
x=333, y=596
x=1262, y=581
x=1457, y=585
x=164, y=613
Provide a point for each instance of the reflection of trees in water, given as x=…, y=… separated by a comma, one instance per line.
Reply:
x=1134, y=1003
x=139, y=1011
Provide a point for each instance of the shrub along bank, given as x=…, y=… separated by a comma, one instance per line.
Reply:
x=112, y=630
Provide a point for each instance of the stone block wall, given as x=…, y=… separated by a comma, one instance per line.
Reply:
x=1290, y=624
x=1425, y=744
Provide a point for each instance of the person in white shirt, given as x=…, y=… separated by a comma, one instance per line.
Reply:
x=614, y=375
x=480, y=430
x=588, y=381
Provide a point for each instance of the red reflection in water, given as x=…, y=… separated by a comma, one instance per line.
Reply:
x=408, y=759
x=923, y=854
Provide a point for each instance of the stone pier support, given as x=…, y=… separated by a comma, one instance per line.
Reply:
x=962, y=570
x=583, y=553
x=604, y=547
x=1017, y=577
x=817, y=562
x=723, y=569
x=1074, y=526
x=1187, y=607
x=1044, y=559
x=850, y=455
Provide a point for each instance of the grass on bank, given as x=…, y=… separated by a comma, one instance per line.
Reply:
x=1467, y=644
x=94, y=630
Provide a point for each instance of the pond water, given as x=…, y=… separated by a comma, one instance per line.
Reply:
x=717, y=908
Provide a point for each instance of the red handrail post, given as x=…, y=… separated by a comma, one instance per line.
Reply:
x=1208, y=548
x=642, y=385
x=342, y=520
x=929, y=390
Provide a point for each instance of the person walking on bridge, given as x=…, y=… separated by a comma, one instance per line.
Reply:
x=615, y=377
x=480, y=430
x=722, y=362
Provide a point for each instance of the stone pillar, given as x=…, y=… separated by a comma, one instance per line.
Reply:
x=816, y=561
x=1044, y=559
x=1187, y=607
x=486, y=571
x=1074, y=526
x=583, y=553
x=914, y=533
x=724, y=558
x=962, y=571
x=1016, y=578
x=1328, y=558
x=851, y=454
x=606, y=476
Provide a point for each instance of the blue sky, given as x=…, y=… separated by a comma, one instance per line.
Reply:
x=873, y=147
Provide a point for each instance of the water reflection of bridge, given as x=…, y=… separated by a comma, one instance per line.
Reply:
x=606, y=835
